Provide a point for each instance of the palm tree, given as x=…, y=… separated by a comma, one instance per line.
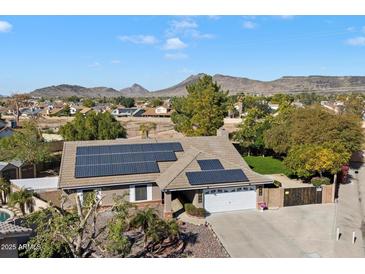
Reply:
x=4, y=190
x=145, y=128
x=146, y=220
x=23, y=198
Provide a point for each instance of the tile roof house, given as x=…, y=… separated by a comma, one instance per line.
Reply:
x=12, y=235
x=206, y=171
x=128, y=112
x=160, y=111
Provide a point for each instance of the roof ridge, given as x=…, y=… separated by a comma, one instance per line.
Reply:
x=182, y=168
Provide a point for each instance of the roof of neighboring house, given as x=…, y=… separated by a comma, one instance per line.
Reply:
x=37, y=184
x=9, y=230
x=6, y=132
x=172, y=174
x=5, y=165
x=17, y=163
x=130, y=111
x=85, y=110
x=152, y=112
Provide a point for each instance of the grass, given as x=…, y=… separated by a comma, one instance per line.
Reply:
x=266, y=165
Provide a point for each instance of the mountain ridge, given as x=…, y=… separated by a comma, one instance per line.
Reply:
x=284, y=84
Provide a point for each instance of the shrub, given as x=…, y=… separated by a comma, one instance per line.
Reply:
x=194, y=211
x=277, y=183
x=317, y=181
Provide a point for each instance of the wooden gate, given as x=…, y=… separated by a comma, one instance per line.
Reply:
x=302, y=196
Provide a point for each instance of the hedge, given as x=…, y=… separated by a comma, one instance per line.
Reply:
x=194, y=211
x=318, y=181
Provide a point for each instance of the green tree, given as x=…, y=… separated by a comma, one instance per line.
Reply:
x=127, y=102
x=355, y=105
x=145, y=128
x=202, y=111
x=93, y=126
x=156, y=102
x=251, y=130
x=4, y=190
x=117, y=241
x=310, y=159
x=25, y=145
x=89, y=103
x=313, y=125
x=24, y=199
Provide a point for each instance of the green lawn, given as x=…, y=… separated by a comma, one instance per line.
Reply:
x=266, y=165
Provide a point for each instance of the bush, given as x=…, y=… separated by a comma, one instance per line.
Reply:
x=318, y=181
x=194, y=211
x=277, y=183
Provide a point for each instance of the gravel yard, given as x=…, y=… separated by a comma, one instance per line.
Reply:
x=201, y=242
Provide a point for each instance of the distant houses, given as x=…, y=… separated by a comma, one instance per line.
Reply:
x=160, y=111
x=128, y=112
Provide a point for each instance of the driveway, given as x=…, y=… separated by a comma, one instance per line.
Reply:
x=300, y=231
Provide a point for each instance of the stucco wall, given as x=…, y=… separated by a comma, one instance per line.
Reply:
x=108, y=193
x=327, y=194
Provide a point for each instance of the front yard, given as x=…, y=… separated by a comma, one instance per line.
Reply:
x=266, y=165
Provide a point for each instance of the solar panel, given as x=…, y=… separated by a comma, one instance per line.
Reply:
x=216, y=176
x=212, y=164
x=128, y=148
x=115, y=169
x=158, y=156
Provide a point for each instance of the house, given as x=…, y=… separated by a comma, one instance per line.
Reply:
x=160, y=111
x=336, y=106
x=273, y=107
x=12, y=235
x=128, y=112
x=85, y=111
x=206, y=171
x=30, y=112
x=5, y=130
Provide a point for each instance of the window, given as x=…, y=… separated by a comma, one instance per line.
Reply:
x=140, y=193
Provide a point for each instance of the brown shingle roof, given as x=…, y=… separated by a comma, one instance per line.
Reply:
x=172, y=174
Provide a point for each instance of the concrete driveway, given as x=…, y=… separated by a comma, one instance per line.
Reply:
x=300, y=231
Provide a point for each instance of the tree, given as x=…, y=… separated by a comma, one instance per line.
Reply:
x=117, y=242
x=155, y=230
x=313, y=125
x=202, y=111
x=23, y=198
x=89, y=103
x=4, y=190
x=145, y=128
x=156, y=102
x=307, y=160
x=25, y=145
x=355, y=105
x=93, y=126
x=127, y=102
x=72, y=233
x=16, y=102
x=251, y=130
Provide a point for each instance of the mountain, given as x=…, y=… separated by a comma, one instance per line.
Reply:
x=134, y=91
x=286, y=84
x=73, y=90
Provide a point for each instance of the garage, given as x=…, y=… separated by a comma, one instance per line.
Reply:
x=229, y=199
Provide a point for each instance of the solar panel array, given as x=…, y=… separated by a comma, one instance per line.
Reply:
x=112, y=160
x=128, y=148
x=216, y=176
x=212, y=164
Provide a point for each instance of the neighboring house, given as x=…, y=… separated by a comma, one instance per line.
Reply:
x=297, y=104
x=45, y=188
x=160, y=111
x=5, y=130
x=12, y=235
x=74, y=110
x=128, y=112
x=30, y=112
x=51, y=111
x=206, y=171
x=336, y=106
x=85, y=111
x=273, y=107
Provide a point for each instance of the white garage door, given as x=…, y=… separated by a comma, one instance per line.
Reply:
x=228, y=199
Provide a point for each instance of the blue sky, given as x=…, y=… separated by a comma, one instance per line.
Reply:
x=159, y=51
